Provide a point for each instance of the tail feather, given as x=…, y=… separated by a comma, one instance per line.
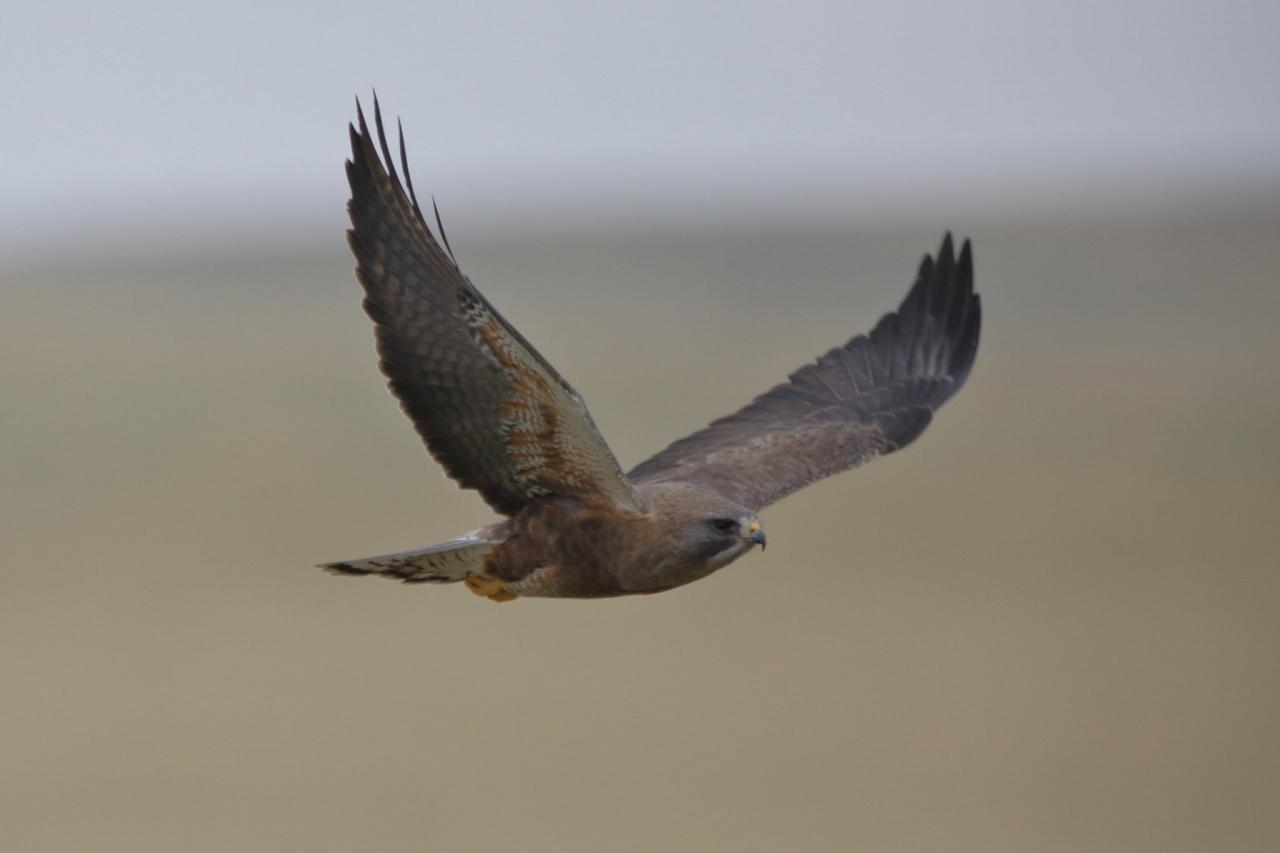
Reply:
x=446, y=562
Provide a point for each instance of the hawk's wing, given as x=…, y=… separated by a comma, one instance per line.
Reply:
x=491, y=410
x=869, y=397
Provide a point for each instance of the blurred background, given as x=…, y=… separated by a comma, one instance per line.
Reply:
x=1049, y=625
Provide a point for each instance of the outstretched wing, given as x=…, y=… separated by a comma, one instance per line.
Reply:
x=867, y=398
x=491, y=410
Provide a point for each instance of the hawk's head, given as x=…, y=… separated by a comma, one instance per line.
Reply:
x=724, y=538
x=708, y=531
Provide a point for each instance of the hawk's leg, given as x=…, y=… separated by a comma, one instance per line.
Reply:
x=491, y=588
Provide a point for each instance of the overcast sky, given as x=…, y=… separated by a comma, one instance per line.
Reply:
x=137, y=115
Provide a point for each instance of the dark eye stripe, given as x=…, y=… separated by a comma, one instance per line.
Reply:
x=725, y=525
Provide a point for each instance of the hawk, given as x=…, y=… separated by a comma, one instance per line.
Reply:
x=501, y=420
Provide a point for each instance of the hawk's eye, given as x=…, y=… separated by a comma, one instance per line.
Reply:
x=725, y=525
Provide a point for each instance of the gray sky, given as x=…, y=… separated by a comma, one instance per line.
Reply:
x=135, y=118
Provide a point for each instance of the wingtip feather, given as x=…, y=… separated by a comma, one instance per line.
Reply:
x=382, y=140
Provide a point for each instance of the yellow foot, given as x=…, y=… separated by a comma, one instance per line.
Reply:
x=491, y=588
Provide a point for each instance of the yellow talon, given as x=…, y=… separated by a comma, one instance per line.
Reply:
x=491, y=588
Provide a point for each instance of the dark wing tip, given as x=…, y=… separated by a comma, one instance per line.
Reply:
x=364, y=127
x=943, y=274
x=934, y=333
x=966, y=350
x=382, y=140
x=440, y=224
x=372, y=169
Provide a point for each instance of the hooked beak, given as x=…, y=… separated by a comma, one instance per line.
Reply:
x=755, y=533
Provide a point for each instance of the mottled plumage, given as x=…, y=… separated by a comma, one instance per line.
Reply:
x=501, y=420
x=492, y=411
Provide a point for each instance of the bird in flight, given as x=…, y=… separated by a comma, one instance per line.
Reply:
x=503, y=421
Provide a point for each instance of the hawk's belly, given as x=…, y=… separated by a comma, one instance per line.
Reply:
x=559, y=550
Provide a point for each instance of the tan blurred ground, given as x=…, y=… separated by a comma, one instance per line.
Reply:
x=1051, y=625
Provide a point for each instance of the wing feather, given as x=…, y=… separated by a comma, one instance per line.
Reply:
x=489, y=407
x=872, y=396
